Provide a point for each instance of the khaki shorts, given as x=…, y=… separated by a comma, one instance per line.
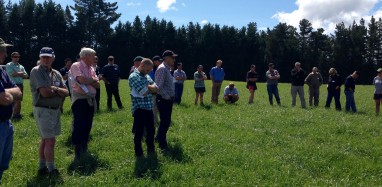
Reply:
x=48, y=121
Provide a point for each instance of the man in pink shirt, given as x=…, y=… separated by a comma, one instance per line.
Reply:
x=83, y=81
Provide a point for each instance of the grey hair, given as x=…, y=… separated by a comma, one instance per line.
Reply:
x=86, y=51
x=297, y=63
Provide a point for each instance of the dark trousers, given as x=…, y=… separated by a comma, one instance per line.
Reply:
x=336, y=94
x=273, y=90
x=143, y=119
x=165, y=110
x=178, y=92
x=82, y=121
x=97, y=97
x=112, y=89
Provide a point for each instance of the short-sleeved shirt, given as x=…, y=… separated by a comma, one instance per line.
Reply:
x=138, y=84
x=42, y=77
x=64, y=71
x=80, y=69
x=378, y=85
x=228, y=91
x=12, y=67
x=217, y=74
x=179, y=73
x=199, y=83
x=251, y=74
x=5, y=83
x=112, y=73
x=271, y=73
x=164, y=81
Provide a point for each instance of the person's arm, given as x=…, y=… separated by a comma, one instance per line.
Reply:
x=160, y=75
x=277, y=75
x=9, y=95
x=212, y=75
x=103, y=75
x=308, y=79
x=185, y=76
x=25, y=75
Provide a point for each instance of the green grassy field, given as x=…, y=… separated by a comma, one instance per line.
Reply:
x=217, y=145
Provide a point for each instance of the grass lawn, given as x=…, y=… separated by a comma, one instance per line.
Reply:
x=216, y=145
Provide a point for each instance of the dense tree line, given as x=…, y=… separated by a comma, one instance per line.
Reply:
x=30, y=26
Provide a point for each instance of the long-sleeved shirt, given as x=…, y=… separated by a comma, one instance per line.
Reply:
x=334, y=81
x=298, y=77
x=164, y=81
x=349, y=83
x=314, y=80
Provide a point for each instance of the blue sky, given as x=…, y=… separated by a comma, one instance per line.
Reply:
x=238, y=13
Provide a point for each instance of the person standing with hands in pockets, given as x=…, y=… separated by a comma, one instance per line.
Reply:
x=199, y=86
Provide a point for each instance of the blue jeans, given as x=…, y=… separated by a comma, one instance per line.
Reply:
x=178, y=92
x=336, y=95
x=165, y=110
x=273, y=90
x=6, y=145
x=350, y=103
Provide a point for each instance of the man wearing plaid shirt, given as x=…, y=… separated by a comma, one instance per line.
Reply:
x=142, y=87
x=165, y=96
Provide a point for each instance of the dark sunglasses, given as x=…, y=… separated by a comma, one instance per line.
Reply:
x=16, y=57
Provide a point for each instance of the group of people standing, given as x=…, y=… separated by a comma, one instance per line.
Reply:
x=155, y=85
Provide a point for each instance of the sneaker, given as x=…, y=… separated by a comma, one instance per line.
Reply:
x=54, y=173
x=42, y=172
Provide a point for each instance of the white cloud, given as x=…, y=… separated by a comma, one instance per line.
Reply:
x=133, y=4
x=184, y=4
x=165, y=5
x=327, y=13
x=203, y=22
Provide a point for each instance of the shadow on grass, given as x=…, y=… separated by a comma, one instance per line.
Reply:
x=175, y=152
x=183, y=105
x=206, y=107
x=148, y=167
x=45, y=181
x=88, y=164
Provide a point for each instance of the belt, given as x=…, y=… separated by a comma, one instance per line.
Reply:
x=48, y=107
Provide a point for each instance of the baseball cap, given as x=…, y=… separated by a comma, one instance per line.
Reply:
x=157, y=58
x=138, y=59
x=47, y=51
x=169, y=53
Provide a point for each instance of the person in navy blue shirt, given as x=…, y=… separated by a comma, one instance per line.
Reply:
x=9, y=93
x=217, y=76
x=111, y=76
x=349, y=91
x=334, y=89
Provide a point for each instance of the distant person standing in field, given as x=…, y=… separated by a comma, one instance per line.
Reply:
x=334, y=89
x=298, y=80
x=349, y=91
x=314, y=81
x=272, y=81
x=165, y=96
x=137, y=61
x=64, y=73
x=17, y=74
x=9, y=93
x=217, y=76
x=111, y=76
x=48, y=90
x=142, y=87
x=231, y=95
x=157, y=61
x=378, y=90
x=251, y=83
x=84, y=82
x=179, y=78
x=97, y=70
x=199, y=86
